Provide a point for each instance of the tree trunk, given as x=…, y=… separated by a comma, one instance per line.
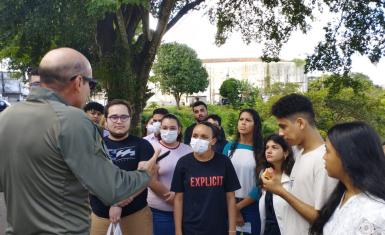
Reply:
x=177, y=100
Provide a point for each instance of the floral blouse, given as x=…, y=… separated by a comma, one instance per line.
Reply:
x=360, y=215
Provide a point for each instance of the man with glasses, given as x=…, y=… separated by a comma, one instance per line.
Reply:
x=53, y=155
x=127, y=152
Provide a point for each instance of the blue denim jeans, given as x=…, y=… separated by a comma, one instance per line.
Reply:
x=251, y=214
x=163, y=222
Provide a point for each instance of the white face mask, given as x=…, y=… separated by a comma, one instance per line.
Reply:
x=169, y=136
x=199, y=146
x=150, y=129
x=156, y=126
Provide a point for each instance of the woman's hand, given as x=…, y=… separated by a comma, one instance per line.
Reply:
x=115, y=213
x=239, y=221
x=169, y=197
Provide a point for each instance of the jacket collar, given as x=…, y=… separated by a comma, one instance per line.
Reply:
x=42, y=93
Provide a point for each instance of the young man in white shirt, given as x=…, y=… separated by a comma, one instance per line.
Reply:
x=310, y=184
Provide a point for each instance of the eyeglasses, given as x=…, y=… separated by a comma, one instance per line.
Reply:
x=91, y=82
x=34, y=84
x=116, y=118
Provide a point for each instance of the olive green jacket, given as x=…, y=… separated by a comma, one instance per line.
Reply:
x=51, y=157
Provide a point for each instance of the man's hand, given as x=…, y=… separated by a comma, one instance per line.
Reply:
x=150, y=165
x=272, y=183
x=169, y=197
x=115, y=213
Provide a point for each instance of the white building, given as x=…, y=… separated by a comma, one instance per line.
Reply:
x=253, y=70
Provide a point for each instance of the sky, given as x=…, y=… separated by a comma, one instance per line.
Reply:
x=195, y=30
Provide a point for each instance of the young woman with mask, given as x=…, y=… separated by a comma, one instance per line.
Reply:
x=355, y=157
x=244, y=153
x=160, y=198
x=279, y=161
x=204, y=183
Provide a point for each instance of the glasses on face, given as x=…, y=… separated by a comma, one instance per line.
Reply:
x=34, y=84
x=116, y=118
x=91, y=82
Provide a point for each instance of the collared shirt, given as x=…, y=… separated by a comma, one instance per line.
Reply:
x=51, y=158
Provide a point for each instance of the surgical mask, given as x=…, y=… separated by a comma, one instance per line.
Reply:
x=169, y=136
x=199, y=146
x=156, y=126
x=150, y=129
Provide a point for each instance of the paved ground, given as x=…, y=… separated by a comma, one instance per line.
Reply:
x=3, y=215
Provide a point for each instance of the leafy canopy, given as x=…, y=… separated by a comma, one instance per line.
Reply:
x=179, y=71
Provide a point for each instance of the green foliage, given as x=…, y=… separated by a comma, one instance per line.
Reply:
x=230, y=90
x=354, y=26
x=249, y=94
x=280, y=89
x=359, y=101
x=354, y=97
x=179, y=71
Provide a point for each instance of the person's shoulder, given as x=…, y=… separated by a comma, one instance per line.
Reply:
x=186, y=158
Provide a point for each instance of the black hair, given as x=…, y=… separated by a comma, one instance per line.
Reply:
x=363, y=160
x=213, y=128
x=257, y=135
x=294, y=104
x=214, y=117
x=162, y=111
x=287, y=164
x=94, y=106
x=116, y=102
x=198, y=103
x=173, y=117
x=383, y=143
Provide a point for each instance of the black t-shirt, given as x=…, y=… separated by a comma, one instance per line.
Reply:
x=204, y=186
x=126, y=154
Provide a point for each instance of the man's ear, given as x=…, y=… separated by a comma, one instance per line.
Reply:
x=76, y=84
x=301, y=122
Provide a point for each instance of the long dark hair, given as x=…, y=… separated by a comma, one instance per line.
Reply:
x=287, y=164
x=257, y=135
x=363, y=159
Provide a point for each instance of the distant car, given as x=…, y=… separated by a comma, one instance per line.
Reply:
x=4, y=104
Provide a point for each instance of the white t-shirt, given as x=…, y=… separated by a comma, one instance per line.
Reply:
x=310, y=184
x=244, y=164
x=361, y=214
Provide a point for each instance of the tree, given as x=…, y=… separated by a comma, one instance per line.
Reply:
x=281, y=89
x=355, y=27
x=230, y=90
x=117, y=38
x=179, y=71
x=350, y=97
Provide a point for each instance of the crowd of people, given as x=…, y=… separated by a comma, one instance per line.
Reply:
x=64, y=170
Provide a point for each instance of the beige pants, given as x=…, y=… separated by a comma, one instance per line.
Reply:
x=138, y=223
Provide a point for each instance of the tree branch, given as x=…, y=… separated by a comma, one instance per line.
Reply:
x=121, y=27
x=182, y=12
x=146, y=24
